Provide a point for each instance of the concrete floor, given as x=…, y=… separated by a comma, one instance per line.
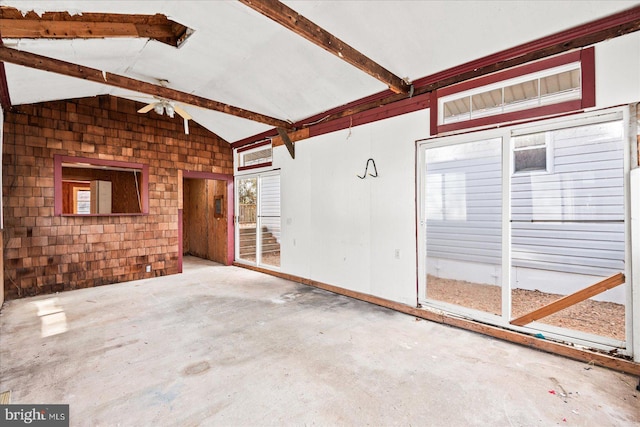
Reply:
x=228, y=346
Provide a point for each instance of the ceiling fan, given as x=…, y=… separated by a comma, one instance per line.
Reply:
x=164, y=105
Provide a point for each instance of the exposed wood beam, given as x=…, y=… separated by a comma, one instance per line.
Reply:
x=43, y=63
x=293, y=136
x=31, y=29
x=5, y=99
x=569, y=300
x=62, y=25
x=287, y=142
x=302, y=26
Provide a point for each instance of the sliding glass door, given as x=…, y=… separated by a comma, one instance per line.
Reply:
x=527, y=228
x=258, y=219
x=463, y=211
x=568, y=226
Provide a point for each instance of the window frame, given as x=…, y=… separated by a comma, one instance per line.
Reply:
x=548, y=145
x=586, y=59
x=243, y=151
x=59, y=160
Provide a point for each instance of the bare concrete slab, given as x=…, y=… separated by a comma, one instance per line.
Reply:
x=228, y=346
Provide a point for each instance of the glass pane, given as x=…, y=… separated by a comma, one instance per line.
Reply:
x=256, y=157
x=457, y=109
x=530, y=160
x=568, y=230
x=521, y=92
x=562, y=82
x=270, y=220
x=463, y=196
x=247, y=218
x=487, y=103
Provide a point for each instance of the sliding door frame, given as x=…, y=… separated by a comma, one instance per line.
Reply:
x=258, y=177
x=632, y=326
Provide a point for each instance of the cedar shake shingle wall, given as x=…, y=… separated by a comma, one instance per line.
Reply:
x=44, y=253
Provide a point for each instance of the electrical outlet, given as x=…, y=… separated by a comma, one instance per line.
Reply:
x=396, y=254
x=148, y=269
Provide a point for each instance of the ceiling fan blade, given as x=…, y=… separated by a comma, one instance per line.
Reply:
x=182, y=113
x=147, y=108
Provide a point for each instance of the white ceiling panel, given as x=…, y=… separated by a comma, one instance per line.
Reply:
x=29, y=86
x=418, y=38
x=114, y=58
x=230, y=128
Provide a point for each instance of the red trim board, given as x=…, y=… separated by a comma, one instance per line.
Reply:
x=180, y=239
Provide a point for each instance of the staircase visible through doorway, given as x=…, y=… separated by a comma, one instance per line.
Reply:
x=270, y=246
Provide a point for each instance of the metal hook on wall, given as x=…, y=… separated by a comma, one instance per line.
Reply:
x=366, y=169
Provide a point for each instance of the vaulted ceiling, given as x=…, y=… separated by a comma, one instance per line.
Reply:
x=240, y=58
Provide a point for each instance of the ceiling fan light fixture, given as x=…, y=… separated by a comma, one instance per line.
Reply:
x=169, y=109
x=158, y=108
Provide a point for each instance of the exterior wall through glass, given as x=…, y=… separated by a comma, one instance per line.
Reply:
x=543, y=249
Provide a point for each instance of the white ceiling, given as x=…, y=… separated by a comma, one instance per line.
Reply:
x=242, y=58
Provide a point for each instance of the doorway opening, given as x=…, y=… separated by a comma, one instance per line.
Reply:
x=206, y=218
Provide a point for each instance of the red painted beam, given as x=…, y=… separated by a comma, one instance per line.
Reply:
x=405, y=106
x=180, y=239
x=231, y=231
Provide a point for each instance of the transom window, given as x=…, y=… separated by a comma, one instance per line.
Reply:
x=544, y=88
x=548, y=87
x=255, y=156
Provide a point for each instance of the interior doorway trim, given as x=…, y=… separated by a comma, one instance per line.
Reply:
x=230, y=214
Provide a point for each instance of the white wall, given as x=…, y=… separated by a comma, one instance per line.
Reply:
x=618, y=71
x=342, y=230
